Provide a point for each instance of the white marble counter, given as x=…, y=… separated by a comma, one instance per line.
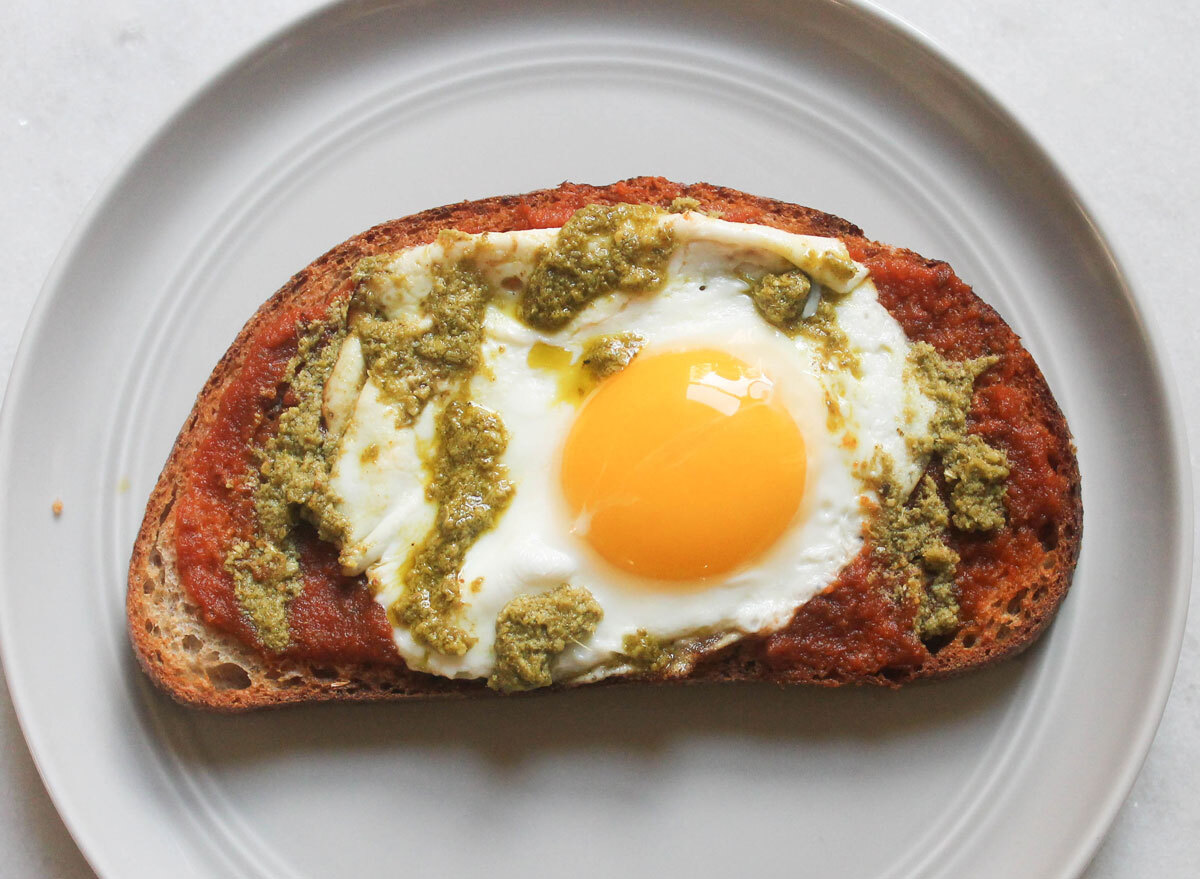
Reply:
x=1110, y=87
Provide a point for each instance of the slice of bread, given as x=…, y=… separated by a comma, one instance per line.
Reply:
x=1025, y=568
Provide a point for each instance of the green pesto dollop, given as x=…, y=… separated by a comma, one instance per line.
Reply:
x=975, y=471
x=950, y=385
x=831, y=341
x=841, y=268
x=297, y=460
x=780, y=298
x=976, y=474
x=682, y=204
x=368, y=269
x=604, y=356
x=266, y=576
x=291, y=484
x=471, y=489
x=937, y=609
x=600, y=249
x=409, y=366
x=533, y=629
x=909, y=534
x=647, y=653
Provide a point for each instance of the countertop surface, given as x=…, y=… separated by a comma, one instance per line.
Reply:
x=1111, y=88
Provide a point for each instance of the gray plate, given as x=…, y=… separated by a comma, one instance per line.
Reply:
x=369, y=111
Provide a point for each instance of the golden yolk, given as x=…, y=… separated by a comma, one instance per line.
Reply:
x=683, y=465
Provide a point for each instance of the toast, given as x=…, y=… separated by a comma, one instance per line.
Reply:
x=1017, y=575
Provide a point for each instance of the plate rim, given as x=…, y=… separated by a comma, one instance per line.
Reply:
x=1159, y=362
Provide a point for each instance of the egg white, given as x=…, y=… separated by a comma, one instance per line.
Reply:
x=532, y=548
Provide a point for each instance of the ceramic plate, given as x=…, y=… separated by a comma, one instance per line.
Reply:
x=375, y=110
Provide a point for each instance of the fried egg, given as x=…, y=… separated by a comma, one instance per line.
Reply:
x=703, y=492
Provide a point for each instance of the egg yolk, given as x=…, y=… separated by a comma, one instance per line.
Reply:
x=683, y=465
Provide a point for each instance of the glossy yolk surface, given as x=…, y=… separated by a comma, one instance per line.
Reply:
x=684, y=465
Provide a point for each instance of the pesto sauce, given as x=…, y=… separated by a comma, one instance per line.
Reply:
x=910, y=534
x=976, y=474
x=600, y=249
x=975, y=471
x=647, y=653
x=471, y=489
x=780, y=298
x=604, y=356
x=408, y=367
x=682, y=204
x=291, y=484
x=469, y=484
x=831, y=341
x=266, y=577
x=841, y=268
x=950, y=384
x=533, y=629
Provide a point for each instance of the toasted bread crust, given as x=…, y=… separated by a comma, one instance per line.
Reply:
x=203, y=667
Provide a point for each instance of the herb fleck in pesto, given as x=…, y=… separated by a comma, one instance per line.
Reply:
x=601, y=249
x=533, y=629
x=471, y=489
